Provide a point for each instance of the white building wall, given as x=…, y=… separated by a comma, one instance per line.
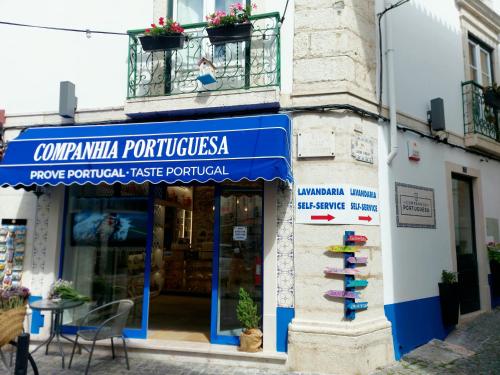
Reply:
x=430, y=61
x=428, y=58
x=417, y=256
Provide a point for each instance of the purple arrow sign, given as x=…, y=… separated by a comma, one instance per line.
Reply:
x=359, y=260
x=342, y=294
x=342, y=271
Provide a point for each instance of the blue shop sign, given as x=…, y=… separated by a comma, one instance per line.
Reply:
x=256, y=147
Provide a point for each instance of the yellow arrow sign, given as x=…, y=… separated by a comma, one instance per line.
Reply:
x=343, y=249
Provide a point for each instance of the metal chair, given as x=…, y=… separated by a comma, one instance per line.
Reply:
x=109, y=328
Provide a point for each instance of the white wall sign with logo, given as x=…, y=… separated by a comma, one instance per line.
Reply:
x=362, y=148
x=315, y=143
x=240, y=233
x=415, y=207
x=336, y=204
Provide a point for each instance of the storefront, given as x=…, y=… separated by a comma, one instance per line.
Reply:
x=170, y=215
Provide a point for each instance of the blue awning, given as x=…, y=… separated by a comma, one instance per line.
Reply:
x=237, y=148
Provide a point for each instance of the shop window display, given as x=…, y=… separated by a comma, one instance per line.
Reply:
x=105, y=245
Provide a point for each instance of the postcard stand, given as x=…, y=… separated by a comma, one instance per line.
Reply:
x=12, y=248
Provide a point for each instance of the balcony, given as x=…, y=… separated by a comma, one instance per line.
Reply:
x=247, y=73
x=481, y=121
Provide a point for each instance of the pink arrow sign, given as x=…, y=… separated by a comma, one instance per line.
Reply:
x=342, y=271
x=359, y=260
x=342, y=294
x=356, y=238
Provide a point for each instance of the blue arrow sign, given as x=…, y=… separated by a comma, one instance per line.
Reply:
x=356, y=283
x=357, y=306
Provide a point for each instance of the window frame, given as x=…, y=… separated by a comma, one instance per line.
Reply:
x=478, y=47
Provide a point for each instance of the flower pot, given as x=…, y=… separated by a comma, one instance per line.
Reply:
x=239, y=32
x=495, y=278
x=11, y=324
x=491, y=98
x=162, y=43
x=251, y=340
x=449, y=300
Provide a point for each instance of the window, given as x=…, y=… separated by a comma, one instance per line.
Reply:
x=480, y=63
x=193, y=11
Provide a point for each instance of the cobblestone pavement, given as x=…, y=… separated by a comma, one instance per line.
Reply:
x=472, y=349
x=102, y=364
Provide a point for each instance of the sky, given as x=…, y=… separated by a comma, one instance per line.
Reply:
x=33, y=61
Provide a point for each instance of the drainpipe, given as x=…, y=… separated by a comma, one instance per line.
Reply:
x=389, y=53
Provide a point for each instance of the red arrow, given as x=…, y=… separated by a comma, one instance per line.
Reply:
x=366, y=218
x=322, y=217
x=357, y=238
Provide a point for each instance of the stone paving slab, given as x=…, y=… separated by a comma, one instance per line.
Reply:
x=102, y=364
x=472, y=349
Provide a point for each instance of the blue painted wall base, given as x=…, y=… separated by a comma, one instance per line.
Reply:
x=37, y=319
x=495, y=300
x=284, y=316
x=414, y=323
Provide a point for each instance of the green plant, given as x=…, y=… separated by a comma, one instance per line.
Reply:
x=238, y=13
x=246, y=311
x=493, y=87
x=494, y=252
x=64, y=289
x=448, y=277
x=164, y=27
x=13, y=297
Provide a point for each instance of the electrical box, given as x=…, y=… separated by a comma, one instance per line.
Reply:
x=437, y=114
x=67, y=99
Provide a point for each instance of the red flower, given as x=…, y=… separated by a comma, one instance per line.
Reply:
x=153, y=25
x=161, y=21
x=147, y=31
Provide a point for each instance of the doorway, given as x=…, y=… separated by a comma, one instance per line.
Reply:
x=238, y=264
x=182, y=256
x=207, y=243
x=465, y=243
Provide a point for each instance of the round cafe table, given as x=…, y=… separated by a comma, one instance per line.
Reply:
x=56, y=309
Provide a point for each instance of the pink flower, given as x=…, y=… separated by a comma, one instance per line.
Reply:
x=161, y=21
x=254, y=6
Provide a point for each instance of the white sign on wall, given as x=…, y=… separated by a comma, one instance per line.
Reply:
x=415, y=206
x=314, y=143
x=336, y=204
x=240, y=233
x=362, y=148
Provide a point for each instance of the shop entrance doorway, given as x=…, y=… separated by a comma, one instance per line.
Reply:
x=182, y=255
x=465, y=243
x=206, y=245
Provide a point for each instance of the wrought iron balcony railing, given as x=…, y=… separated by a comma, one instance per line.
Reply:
x=239, y=65
x=479, y=117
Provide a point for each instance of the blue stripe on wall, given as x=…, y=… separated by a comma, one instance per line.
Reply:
x=495, y=300
x=414, y=323
x=36, y=317
x=284, y=316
